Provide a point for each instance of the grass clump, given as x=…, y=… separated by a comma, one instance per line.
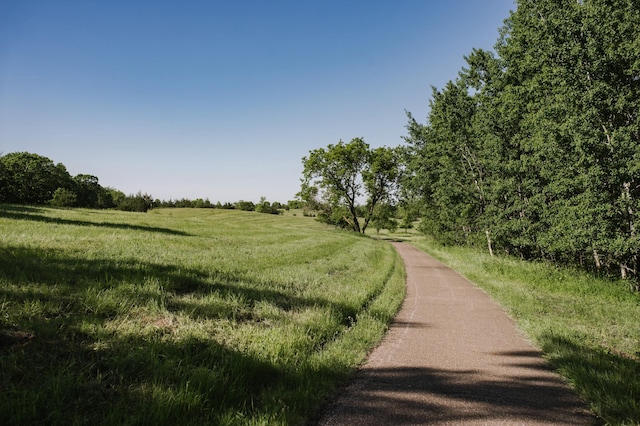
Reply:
x=587, y=327
x=187, y=316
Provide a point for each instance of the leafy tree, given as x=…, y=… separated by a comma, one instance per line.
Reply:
x=184, y=203
x=449, y=165
x=381, y=179
x=576, y=66
x=4, y=182
x=383, y=218
x=117, y=197
x=295, y=204
x=248, y=206
x=63, y=197
x=265, y=206
x=537, y=147
x=337, y=178
x=136, y=203
x=31, y=178
x=409, y=212
x=89, y=193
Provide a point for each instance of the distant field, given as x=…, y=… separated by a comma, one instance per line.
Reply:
x=183, y=316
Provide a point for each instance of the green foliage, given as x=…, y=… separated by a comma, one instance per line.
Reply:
x=383, y=218
x=31, y=178
x=189, y=316
x=247, y=206
x=136, y=203
x=117, y=197
x=63, y=197
x=335, y=178
x=532, y=151
x=27, y=178
x=266, y=207
x=295, y=204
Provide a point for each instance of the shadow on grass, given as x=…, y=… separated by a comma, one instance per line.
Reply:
x=20, y=209
x=420, y=395
x=71, y=276
x=27, y=213
x=609, y=382
x=58, y=365
x=136, y=380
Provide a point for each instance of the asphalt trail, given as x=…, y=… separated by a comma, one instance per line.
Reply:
x=453, y=357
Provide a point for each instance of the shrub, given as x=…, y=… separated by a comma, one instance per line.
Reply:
x=63, y=197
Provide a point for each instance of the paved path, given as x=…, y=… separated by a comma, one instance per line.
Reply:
x=453, y=357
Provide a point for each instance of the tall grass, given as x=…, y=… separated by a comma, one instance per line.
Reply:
x=588, y=328
x=183, y=316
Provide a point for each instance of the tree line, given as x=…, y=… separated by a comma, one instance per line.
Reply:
x=531, y=150
x=28, y=178
x=534, y=150
x=32, y=179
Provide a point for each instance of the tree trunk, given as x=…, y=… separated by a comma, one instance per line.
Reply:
x=489, y=242
x=596, y=259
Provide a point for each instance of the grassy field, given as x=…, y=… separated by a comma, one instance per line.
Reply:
x=183, y=316
x=588, y=328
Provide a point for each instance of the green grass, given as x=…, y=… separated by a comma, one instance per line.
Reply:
x=588, y=328
x=183, y=316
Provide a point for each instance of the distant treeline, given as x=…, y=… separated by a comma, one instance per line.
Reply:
x=535, y=150
x=27, y=178
x=263, y=206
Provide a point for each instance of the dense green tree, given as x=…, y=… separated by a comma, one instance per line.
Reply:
x=31, y=178
x=336, y=171
x=383, y=217
x=295, y=204
x=576, y=65
x=537, y=148
x=381, y=178
x=265, y=206
x=4, y=182
x=409, y=212
x=90, y=194
x=136, y=203
x=63, y=197
x=117, y=197
x=336, y=179
x=448, y=165
x=248, y=206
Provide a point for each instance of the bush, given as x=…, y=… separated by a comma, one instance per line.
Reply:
x=265, y=207
x=63, y=197
x=136, y=203
x=247, y=206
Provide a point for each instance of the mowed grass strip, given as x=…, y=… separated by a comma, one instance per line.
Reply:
x=183, y=316
x=588, y=328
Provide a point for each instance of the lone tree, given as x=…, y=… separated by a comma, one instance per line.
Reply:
x=337, y=178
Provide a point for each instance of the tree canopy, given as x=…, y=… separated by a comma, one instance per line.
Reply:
x=534, y=150
x=346, y=182
x=27, y=178
x=30, y=178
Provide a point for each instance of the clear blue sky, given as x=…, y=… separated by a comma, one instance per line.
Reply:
x=222, y=99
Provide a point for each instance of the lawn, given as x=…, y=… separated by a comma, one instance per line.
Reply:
x=183, y=316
